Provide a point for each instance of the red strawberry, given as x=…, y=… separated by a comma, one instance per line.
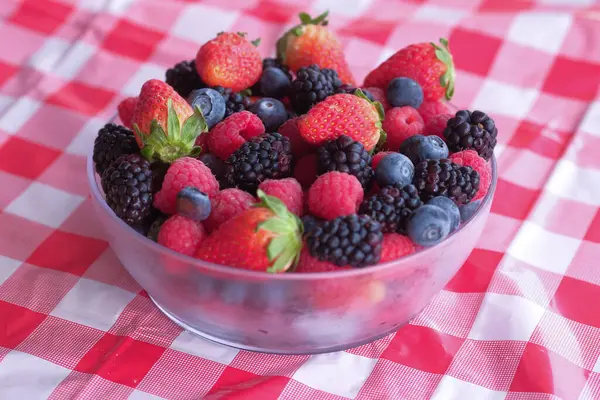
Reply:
x=165, y=125
x=429, y=64
x=340, y=114
x=266, y=237
x=311, y=42
x=126, y=109
x=229, y=60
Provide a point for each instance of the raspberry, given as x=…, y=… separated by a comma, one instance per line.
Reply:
x=184, y=172
x=471, y=159
x=401, y=123
x=225, y=205
x=231, y=133
x=181, y=234
x=309, y=263
x=125, y=109
x=378, y=157
x=395, y=246
x=437, y=124
x=306, y=170
x=334, y=194
x=379, y=95
x=290, y=130
x=287, y=190
x=432, y=108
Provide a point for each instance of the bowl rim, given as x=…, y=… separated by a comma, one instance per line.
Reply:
x=305, y=276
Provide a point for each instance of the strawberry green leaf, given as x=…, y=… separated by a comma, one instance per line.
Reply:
x=148, y=153
x=305, y=18
x=242, y=34
x=381, y=142
x=276, y=247
x=173, y=127
x=380, y=110
x=256, y=42
x=275, y=225
x=287, y=258
x=272, y=203
x=193, y=127
x=246, y=92
x=448, y=78
x=196, y=151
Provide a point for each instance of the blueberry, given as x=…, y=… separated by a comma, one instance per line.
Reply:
x=428, y=225
x=404, y=92
x=418, y=148
x=468, y=210
x=210, y=102
x=394, y=168
x=274, y=83
x=271, y=112
x=193, y=204
x=451, y=209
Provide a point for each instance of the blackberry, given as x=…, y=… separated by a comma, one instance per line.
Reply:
x=267, y=156
x=234, y=101
x=309, y=223
x=184, y=78
x=445, y=178
x=271, y=63
x=349, y=89
x=112, y=142
x=392, y=207
x=155, y=227
x=127, y=185
x=354, y=240
x=311, y=86
x=471, y=130
x=346, y=155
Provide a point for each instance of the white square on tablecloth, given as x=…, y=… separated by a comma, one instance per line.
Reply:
x=45, y=204
x=339, y=373
x=118, y=7
x=200, y=23
x=74, y=59
x=17, y=114
x=49, y=54
x=545, y=31
x=503, y=98
x=349, y=8
x=386, y=53
x=5, y=101
x=7, y=267
x=23, y=376
x=144, y=73
x=451, y=388
x=506, y=317
x=543, y=249
x=83, y=143
x=197, y=346
x=439, y=14
x=571, y=181
x=93, y=304
x=139, y=395
x=591, y=121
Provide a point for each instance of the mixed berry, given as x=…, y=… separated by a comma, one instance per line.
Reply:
x=286, y=164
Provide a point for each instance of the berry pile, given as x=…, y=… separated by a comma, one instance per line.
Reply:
x=286, y=164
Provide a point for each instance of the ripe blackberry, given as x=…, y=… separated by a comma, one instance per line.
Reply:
x=471, y=130
x=184, y=78
x=311, y=86
x=349, y=89
x=392, y=207
x=354, y=240
x=271, y=63
x=445, y=178
x=309, y=223
x=234, y=101
x=127, y=184
x=112, y=142
x=346, y=155
x=267, y=156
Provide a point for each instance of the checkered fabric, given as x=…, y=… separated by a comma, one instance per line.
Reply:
x=519, y=321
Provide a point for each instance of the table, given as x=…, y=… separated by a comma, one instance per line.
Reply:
x=520, y=319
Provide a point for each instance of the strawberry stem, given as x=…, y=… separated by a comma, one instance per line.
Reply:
x=445, y=56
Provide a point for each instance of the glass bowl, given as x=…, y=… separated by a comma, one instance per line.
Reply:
x=288, y=313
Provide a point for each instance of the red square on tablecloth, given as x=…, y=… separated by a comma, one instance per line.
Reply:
x=120, y=359
x=540, y=139
x=574, y=299
x=82, y=98
x=12, y=160
x=565, y=70
x=12, y=186
x=522, y=199
x=17, y=323
x=273, y=11
x=44, y=16
x=20, y=236
x=462, y=43
x=68, y=252
x=370, y=29
x=237, y=384
x=132, y=40
x=593, y=232
x=6, y=72
x=476, y=273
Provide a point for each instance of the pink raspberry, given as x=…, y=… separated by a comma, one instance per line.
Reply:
x=437, y=124
x=306, y=170
x=395, y=246
x=308, y=263
x=181, y=234
x=184, y=172
x=400, y=123
x=225, y=205
x=300, y=147
x=431, y=108
x=231, y=133
x=471, y=159
x=378, y=157
x=335, y=194
x=379, y=95
x=287, y=190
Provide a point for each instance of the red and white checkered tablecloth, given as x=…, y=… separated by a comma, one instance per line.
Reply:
x=519, y=321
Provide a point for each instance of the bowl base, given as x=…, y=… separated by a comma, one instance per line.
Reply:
x=242, y=346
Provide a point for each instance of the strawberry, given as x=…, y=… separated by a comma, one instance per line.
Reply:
x=126, y=108
x=229, y=60
x=429, y=64
x=311, y=42
x=343, y=114
x=165, y=125
x=266, y=237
